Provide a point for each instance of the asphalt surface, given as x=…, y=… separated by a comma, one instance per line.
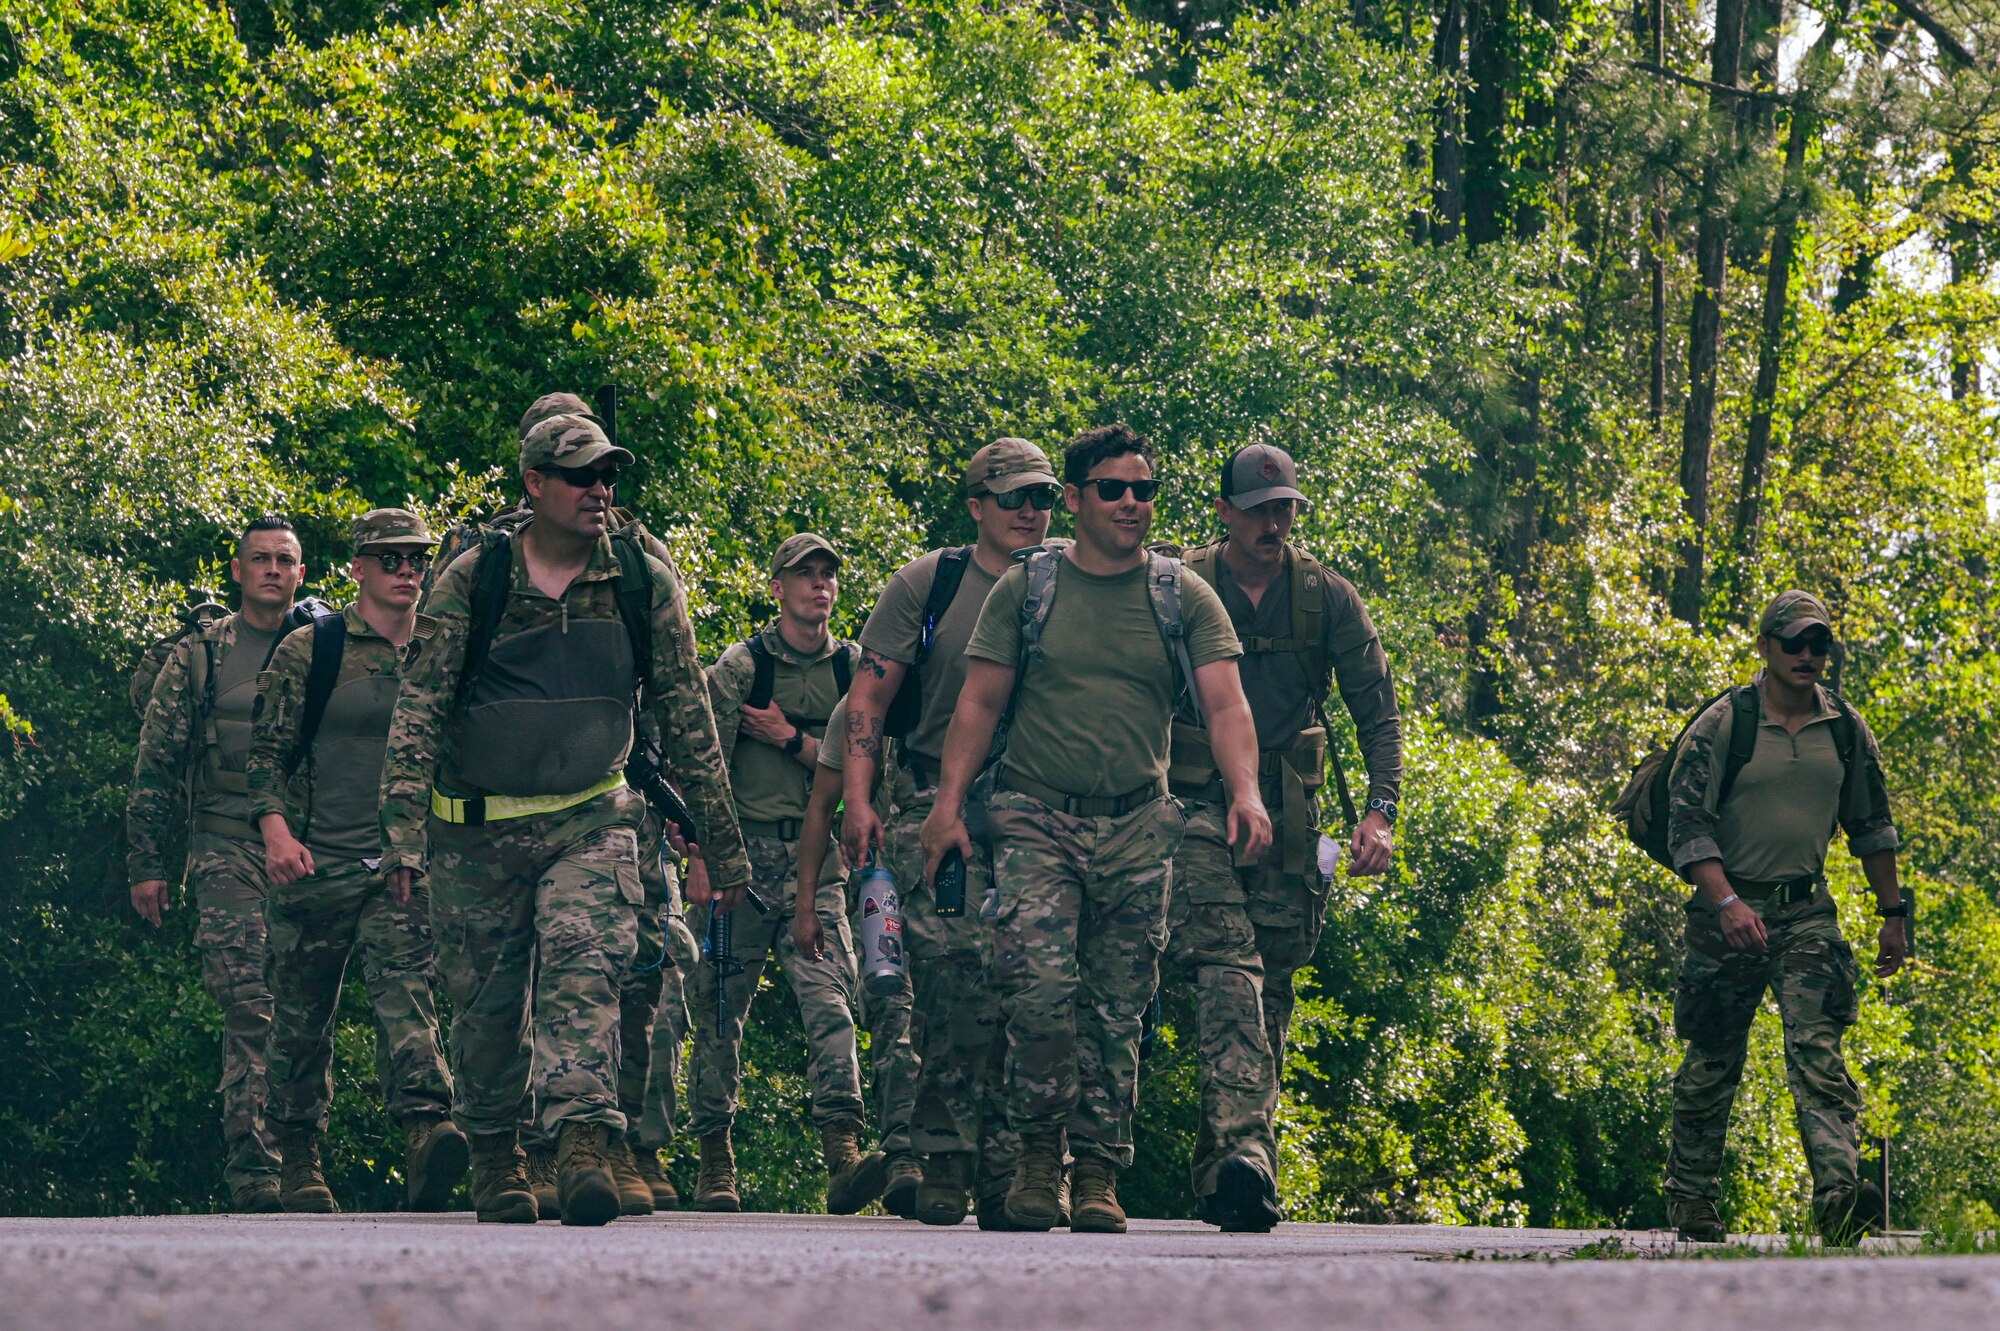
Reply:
x=403, y=1272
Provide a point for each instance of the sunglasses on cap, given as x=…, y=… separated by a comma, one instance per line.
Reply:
x=1042, y=496
x=584, y=477
x=1110, y=489
x=393, y=560
x=1817, y=641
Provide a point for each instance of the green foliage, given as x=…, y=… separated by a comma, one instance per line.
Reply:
x=311, y=257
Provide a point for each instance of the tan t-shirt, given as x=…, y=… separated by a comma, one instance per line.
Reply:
x=896, y=625
x=769, y=784
x=1092, y=718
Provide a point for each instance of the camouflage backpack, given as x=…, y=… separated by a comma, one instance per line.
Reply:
x=201, y=609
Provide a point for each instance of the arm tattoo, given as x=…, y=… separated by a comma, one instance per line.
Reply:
x=866, y=733
x=873, y=664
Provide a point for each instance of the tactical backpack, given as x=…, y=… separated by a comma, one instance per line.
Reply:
x=1163, y=593
x=765, y=678
x=201, y=611
x=1642, y=808
x=329, y=645
x=907, y=707
x=1307, y=640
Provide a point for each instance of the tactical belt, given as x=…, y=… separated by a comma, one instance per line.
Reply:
x=1080, y=806
x=474, y=810
x=1782, y=892
x=784, y=829
x=923, y=770
x=1295, y=771
x=222, y=825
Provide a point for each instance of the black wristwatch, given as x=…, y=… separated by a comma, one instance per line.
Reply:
x=1387, y=808
x=791, y=747
x=1899, y=911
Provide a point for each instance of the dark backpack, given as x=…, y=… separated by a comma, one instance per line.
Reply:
x=908, y=705
x=494, y=571
x=329, y=645
x=1642, y=808
x=762, y=683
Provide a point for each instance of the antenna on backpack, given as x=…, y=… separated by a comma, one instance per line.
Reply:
x=607, y=410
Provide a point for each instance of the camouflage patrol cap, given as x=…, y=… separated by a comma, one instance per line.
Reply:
x=390, y=529
x=796, y=548
x=1260, y=473
x=1793, y=612
x=568, y=441
x=1008, y=464
x=556, y=404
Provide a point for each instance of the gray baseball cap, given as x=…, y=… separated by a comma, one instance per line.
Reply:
x=1260, y=473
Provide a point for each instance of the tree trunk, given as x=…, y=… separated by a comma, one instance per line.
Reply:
x=1705, y=322
x=1656, y=394
x=1448, y=116
x=1777, y=301
x=1490, y=71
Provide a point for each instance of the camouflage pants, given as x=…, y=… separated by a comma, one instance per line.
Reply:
x=1811, y=971
x=645, y=976
x=536, y=924
x=1083, y=919
x=316, y=925
x=959, y=1105
x=1211, y=939
x=825, y=990
x=229, y=892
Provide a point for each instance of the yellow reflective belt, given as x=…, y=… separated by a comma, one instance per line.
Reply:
x=477, y=809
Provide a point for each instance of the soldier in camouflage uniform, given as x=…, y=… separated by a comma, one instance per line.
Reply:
x=316, y=802
x=1749, y=823
x=506, y=790
x=773, y=749
x=960, y=1118
x=1082, y=826
x=1241, y=931
x=193, y=745
x=891, y=1045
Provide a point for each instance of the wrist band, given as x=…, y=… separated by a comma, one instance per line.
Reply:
x=1727, y=901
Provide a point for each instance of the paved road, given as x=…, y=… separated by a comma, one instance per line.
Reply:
x=770, y=1273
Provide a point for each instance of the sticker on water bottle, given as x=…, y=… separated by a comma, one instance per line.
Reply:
x=1329, y=859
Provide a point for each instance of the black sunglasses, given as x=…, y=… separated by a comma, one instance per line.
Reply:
x=1043, y=497
x=393, y=561
x=584, y=477
x=1819, y=644
x=1111, y=490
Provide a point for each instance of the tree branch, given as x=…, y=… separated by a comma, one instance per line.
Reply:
x=1727, y=90
x=1940, y=34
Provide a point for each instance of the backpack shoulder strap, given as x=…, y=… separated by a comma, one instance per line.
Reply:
x=762, y=683
x=489, y=600
x=1200, y=561
x=329, y=644
x=843, y=667
x=1309, y=579
x=946, y=579
x=635, y=598
x=1745, y=712
x=1163, y=590
x=1040, y=599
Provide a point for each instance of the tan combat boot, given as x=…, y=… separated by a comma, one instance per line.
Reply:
x=1094, y=1194
x=665, y=1197
x=257, y=1197
x=905, y=1181
x=542, y=1181
x=635, y=1195
x=715, y=1189
x=500, y=1192
x=435, y=1155
x=1032, y=1203
x=946, y=1194
x=852, y=1179
x=586, y=1188
x=301, y=1186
